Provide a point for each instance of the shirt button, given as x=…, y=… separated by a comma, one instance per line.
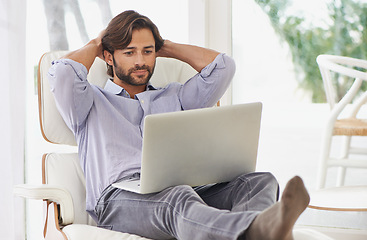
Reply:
x=142, y=101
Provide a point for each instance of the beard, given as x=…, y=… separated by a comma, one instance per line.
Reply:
x=129, y=79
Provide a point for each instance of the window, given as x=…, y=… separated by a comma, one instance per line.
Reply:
x=280, y=40
x=294, y=112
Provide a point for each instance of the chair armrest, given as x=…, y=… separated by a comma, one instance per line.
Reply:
x=52, y=193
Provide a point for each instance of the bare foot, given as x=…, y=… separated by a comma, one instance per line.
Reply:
x=276, y=222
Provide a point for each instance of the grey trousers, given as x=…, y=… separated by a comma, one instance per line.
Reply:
x=218, y=211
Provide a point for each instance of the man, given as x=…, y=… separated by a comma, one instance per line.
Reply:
x=108, y=124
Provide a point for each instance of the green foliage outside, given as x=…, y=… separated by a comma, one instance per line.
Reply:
x=344, y=33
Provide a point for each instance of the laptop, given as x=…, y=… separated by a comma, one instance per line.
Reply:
x=197, y=147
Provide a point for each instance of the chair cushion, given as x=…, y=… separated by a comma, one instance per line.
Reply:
x=345, y=198
x=64, y=170
x=78, y=232
x=309, y=234
x=339, y=207
x=53, y=127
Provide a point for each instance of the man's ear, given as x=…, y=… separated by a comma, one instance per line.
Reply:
x=108, y=57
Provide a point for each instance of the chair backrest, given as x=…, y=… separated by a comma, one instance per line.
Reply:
x=344, y=66
x=64, y=170
x=53, y=126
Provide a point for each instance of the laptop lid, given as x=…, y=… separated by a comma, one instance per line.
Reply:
x=201, y=146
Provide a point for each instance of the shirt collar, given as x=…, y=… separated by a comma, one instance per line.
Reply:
x=116, y=89
x=113, y=87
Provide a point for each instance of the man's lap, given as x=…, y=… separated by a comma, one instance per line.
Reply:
x=176, y=210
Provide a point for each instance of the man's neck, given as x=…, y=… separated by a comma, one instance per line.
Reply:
x=131, y=89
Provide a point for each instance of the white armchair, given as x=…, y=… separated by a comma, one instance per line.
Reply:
x=63, y=186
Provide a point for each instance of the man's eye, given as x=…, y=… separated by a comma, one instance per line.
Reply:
x=148, y=51
x=128, y=53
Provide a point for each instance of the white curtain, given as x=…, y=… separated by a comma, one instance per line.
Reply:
x=12, y=115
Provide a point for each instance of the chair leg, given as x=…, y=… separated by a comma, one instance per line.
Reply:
x=344, y=155
x=340, y=176
x=52, y=229
x=325, y=154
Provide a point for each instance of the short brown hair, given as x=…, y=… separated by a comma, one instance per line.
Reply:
x=119, y=31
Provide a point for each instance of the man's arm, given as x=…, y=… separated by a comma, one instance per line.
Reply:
x=74, y=101
x=87, y=54
x=215, y=72
x=196, y=57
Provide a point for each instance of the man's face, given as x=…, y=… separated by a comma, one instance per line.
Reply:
x=135, y=64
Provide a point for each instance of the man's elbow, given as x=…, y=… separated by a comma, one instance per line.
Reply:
x=230, y=66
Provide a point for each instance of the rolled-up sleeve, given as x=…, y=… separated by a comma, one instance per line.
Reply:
x=72, y=92
x=207, y=87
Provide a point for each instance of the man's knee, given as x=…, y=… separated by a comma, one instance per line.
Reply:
x=180, y=193
x=180, y=189
x=269, y=177
x=260, y=176
x=262, y=181
x=271, y=182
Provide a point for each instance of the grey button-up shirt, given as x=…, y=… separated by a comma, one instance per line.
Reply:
x=108, y=124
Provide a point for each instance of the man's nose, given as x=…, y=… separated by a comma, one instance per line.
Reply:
x=140, y=59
